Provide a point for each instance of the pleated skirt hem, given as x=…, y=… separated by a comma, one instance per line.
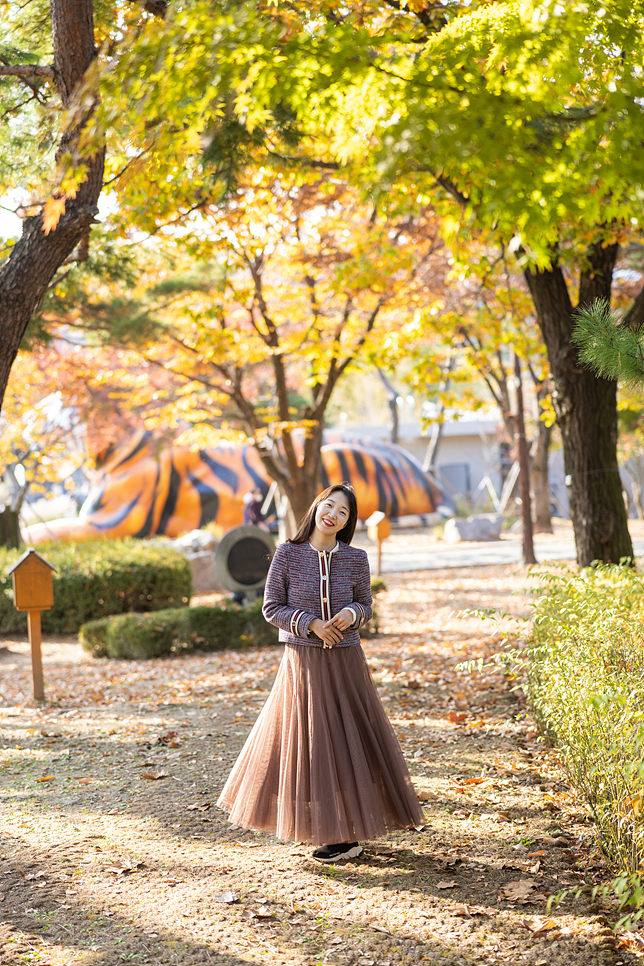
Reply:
x=322, y=763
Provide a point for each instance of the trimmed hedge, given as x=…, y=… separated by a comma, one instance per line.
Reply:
x=98, y=579
x=142, y=636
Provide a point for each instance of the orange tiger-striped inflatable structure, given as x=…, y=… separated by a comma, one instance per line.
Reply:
x=145, y=488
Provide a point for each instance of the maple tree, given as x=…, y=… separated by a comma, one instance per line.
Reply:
x=514, y=119
x=254, y=317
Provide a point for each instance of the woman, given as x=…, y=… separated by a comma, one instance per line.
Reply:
x=322, y=763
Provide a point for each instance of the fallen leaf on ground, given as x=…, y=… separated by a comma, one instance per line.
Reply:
x=167, y=739
x=262, y=913
x=199, y=807
x=447, y=884
x=518, y=891
x=456, y=718
x=427, y=796
x=126, y=868
x=462, y=909
x=154, y=776
x=538, y=926
x=228, y=897
x=46, y=778
x=632, y=940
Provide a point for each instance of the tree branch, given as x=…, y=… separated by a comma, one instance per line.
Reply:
x=24, y=71
x=451, y=189
x=634, y=318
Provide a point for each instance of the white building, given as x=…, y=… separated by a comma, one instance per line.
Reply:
x=471, y=449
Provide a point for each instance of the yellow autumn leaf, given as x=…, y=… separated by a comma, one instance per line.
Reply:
x=53, y=211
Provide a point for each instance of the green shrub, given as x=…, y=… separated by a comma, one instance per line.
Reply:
x=142, y=636
x=585, y=680
x=258, y=632
x=216, y=628
x=101, y=578
x=93, y=636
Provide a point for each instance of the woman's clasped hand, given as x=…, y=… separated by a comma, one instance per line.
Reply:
x=330, y=632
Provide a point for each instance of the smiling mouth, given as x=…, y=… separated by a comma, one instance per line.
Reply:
x=328, y=523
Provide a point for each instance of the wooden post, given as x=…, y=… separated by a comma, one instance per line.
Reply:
x=35, y=640
x=33, y=591
x=378, y=529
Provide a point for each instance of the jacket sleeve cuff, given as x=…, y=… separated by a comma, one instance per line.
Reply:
x=357, y=619
x=300, y=622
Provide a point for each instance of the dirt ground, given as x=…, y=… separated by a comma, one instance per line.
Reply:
x=112, y=851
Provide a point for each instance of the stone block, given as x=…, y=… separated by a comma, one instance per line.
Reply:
x=477, y=528
x=204, y=575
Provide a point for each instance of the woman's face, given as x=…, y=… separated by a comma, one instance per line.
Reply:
x=332, y=514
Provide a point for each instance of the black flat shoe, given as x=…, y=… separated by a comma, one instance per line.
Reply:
x=336, y=853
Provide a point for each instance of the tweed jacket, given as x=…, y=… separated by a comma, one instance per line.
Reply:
x=304, y=583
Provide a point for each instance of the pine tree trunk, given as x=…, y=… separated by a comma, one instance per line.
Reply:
x=586, y=408
x=36, y=257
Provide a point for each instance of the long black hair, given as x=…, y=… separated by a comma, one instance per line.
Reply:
x=307, y=526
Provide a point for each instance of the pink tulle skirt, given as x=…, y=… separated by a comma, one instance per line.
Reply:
x=322, y=763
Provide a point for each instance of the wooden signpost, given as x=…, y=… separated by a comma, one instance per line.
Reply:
x=378, y=529
x=33, y=591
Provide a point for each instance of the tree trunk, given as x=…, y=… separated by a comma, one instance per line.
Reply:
x=301, y=497
x=524, y=469
x=36, y=257
x=392, y=402
x=9, y=528
x=298, y=480
x=304, y=486
x=586, y=409
x=437, y=429
x=540, y=479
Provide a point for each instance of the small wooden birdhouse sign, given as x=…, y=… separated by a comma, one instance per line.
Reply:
x=378, y=529
x=33, y=582
x=378, y=526
x=33, y=591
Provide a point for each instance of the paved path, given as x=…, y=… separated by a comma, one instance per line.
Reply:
x=396, y=560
